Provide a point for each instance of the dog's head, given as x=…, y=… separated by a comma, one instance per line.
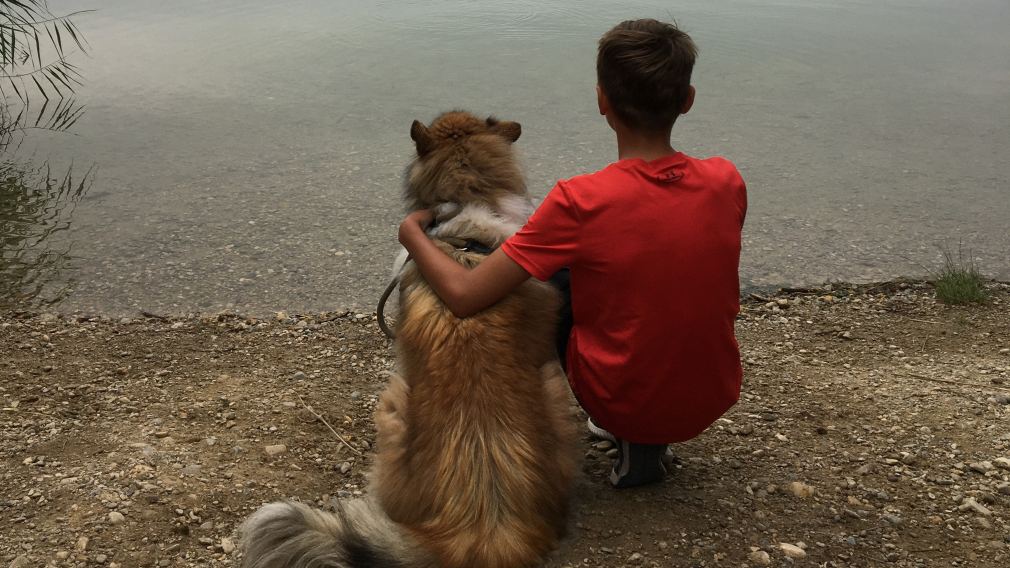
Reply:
x=463, y=159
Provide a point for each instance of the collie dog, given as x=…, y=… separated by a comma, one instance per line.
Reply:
x=475, y=438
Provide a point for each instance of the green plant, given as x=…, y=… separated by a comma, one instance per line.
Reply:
x=959, y=281
x=35, y=50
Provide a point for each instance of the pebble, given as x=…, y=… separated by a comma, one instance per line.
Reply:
x=760, y=557
x=116, y=518
x=894, y=519
x=227, y=546
x=801, y=490
x=635, y=558
x=970, y=504
x=21, y=562
x=981, y=467
x=101, y=558
x=345, y=467
x=1002, y=463
x=792, y=551
x=82, y=544
x=62, y=555
x=275, y=450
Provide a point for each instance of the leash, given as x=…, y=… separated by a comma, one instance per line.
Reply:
x=470, y=245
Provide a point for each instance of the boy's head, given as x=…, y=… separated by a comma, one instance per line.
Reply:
x=643, y=69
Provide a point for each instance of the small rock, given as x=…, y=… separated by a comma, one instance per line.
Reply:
x=101, y=558
x=981, y=467
x=298, y=375
x=760, y=557
x=635, y=558
x=227, y=546
x=355, y=395
x=792, y=551
x=893, y=519
x=345, y=467
x=275, y=450
x=116, y=518
x=62, y=555
x=21, y=562
x=1002, y=463
x=82, y=544
x=970, y=504
x=800, y=489
x=178, y=325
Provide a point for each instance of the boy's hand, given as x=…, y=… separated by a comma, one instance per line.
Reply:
x=416, y=220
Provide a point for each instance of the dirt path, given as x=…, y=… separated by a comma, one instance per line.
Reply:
x=874, y=429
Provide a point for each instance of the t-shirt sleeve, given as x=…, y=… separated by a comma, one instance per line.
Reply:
x=548, y=241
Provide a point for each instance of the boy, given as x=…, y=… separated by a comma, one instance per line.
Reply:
x=653, y=247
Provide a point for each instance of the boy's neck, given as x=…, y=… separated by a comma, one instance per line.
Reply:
x=647, y=146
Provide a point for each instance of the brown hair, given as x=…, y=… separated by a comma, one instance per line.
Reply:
x=644, y=68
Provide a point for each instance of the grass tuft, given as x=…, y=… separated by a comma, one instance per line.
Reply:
x=959, y=281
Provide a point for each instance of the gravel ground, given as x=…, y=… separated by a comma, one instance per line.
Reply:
x=872, y=431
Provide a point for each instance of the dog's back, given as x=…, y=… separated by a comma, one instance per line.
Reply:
x=482, y=470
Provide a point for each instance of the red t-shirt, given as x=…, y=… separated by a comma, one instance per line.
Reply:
x=654, y=250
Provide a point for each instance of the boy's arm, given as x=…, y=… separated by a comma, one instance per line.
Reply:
x=465, y=291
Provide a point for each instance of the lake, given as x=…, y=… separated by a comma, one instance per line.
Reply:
x=249, y=155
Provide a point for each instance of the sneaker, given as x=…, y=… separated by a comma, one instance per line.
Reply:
x=600, y=433
x=638, y=464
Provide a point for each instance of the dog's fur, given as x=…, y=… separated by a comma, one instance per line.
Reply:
x=475, y=439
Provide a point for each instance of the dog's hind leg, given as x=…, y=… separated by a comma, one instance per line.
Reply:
x=390, y=476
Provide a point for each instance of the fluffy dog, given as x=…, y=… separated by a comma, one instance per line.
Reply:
x=475, y=439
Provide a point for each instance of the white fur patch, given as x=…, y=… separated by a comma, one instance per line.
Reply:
x=500, y=224
x=401, y=259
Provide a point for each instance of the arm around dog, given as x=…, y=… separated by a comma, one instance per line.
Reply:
x=465, y=291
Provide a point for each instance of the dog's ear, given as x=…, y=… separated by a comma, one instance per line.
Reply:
x=422, y=138
x=505, y=128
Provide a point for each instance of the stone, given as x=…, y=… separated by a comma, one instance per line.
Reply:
x=970, y=504
x=101, y=558
x=62, y=555
x=345, y=467
x=981, y=467
x=635, y=558
x=792, y=551
x=82, y=544
x=227, y=546
x=1002, y=463
x=275, y=450
x=116, y=518
x=801, y=490
x=21, y=562
x=760, y=557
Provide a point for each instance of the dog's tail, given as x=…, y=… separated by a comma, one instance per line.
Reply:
x=358, y=535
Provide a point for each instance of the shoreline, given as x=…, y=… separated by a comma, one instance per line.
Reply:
x=873, y=428
x=748, y=294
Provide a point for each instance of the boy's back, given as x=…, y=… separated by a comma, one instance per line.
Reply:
x=653, y=249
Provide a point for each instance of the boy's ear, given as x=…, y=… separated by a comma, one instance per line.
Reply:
x=506, y=128
x=602, y=101
x=689, y=101
x=422, y=138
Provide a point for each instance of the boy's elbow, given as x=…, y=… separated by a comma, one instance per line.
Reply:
x=462, y=308
x=459, y=302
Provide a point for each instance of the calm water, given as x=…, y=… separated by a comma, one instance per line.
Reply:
x=248, y=155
